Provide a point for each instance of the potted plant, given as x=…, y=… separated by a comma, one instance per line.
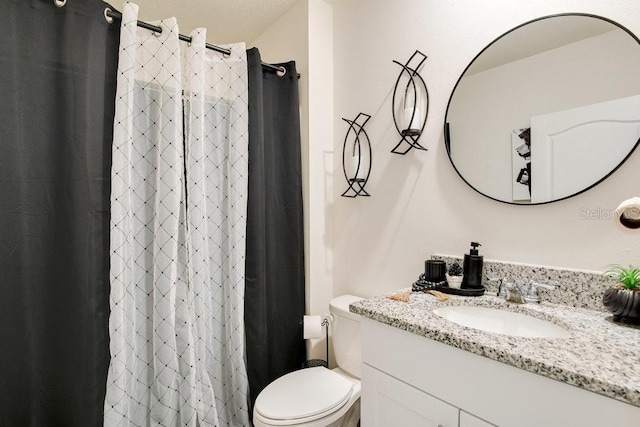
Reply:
x=454, y=275
x=623, y=299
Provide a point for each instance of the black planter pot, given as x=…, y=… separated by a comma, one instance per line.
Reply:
x=623, y=304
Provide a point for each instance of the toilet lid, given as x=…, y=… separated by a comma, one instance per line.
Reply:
x=303, y=393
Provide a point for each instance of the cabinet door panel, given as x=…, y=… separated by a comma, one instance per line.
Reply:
x=468, y=420
x=389, y=402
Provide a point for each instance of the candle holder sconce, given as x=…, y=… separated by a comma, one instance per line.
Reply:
x=356, y=157
x=410, y=104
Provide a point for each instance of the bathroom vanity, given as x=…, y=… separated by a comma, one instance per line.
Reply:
x=421, y=369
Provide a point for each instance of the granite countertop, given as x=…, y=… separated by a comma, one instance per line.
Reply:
x=598, y=356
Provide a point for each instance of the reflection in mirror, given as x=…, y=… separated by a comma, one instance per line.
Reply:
x=547, y=110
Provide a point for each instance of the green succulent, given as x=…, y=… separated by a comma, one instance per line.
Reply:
x=629, y=278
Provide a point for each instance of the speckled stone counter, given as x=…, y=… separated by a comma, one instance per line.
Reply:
x=599, y=356
x=575, y=288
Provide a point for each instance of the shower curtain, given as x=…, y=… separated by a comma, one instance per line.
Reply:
x=58, y=68
x=274, y=295
x=178, y=220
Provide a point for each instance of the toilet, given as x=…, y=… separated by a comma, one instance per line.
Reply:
x=319, y=397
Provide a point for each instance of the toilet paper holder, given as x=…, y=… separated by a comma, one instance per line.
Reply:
x=326, y=319
x=627, y=214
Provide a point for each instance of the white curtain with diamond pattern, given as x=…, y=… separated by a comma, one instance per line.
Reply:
x=178, y=220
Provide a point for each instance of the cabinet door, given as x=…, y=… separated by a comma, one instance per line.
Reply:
x=388, y=402
x=468, y=420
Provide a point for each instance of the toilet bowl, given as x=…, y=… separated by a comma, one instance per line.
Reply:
x=319, y=397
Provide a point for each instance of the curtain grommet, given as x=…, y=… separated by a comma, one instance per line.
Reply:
x=106, y=15
x=281, y=71
x=59, y=3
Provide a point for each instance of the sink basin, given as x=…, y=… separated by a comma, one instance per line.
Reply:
x=501, y=322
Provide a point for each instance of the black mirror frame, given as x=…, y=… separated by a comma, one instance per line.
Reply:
x=447, y=141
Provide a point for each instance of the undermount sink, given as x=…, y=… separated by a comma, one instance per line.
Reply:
x=501, y=322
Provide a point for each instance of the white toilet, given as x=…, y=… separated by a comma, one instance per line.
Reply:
x=319, y=397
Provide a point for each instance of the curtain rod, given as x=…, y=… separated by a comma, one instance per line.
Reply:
x=112, y=14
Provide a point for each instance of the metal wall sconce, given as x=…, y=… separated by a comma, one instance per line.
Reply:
x=410, y=104
x=356, y=156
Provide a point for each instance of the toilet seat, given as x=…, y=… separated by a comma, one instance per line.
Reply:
x=303, y=396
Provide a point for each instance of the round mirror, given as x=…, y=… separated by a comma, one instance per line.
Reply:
x=547, y=110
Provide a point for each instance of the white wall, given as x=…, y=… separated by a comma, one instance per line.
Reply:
x=419, y=205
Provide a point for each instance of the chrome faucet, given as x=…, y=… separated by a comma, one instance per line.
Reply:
x=514, y=293
x=509, y=291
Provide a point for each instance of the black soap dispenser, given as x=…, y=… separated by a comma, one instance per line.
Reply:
x=472, y=269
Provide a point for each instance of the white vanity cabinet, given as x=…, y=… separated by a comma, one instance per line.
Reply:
x=391, y=402
x=410, y=380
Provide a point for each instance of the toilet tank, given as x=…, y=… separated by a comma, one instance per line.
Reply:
x=346, y=335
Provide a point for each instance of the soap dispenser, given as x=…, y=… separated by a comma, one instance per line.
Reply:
x=472, y=268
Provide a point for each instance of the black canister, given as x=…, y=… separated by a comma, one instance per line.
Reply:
x=435, y=270
x=472, y=268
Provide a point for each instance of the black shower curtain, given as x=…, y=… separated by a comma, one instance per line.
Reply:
x=274, y=291
x=57, y=88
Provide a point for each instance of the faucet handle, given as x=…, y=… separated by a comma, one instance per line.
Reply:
x=541, y=285
x=501, y=291
x=532, y=292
